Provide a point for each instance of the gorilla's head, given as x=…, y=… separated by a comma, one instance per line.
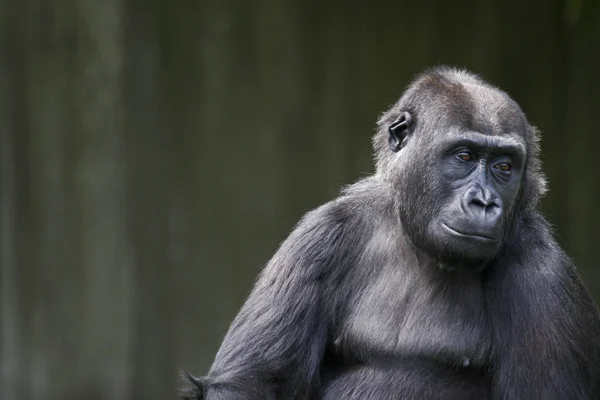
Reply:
x=463, y=160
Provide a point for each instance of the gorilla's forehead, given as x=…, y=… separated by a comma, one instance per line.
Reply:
x=457, y=99
x=493, y=111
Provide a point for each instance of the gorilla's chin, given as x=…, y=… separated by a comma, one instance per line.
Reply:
x=468, y=252
x=458, y=250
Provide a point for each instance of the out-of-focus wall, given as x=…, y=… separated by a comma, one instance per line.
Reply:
x=154, y=153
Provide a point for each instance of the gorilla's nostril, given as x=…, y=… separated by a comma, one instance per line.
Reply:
x=486, y=205
x=479, y=203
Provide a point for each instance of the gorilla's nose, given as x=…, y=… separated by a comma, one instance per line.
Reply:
x=481, y=202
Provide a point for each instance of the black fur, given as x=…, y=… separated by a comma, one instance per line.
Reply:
x=370, y=298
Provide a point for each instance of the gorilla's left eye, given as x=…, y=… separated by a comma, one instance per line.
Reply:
x=465, y=156
x=505, y=167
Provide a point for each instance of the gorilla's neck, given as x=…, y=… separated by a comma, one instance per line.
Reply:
x=451, y=261
x=467, y=266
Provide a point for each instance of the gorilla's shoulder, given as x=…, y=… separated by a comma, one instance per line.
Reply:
x=359, y=205
x=343, y=225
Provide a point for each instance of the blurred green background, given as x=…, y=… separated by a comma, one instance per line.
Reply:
x=154, y=154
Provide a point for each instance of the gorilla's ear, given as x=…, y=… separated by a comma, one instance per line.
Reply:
x=399, y=130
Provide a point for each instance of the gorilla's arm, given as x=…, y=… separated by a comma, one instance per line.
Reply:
x=274, y=347
x=546, y=324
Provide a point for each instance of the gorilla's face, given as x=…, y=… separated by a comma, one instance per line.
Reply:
x=477, y=178
x=461, y=193
x=458, y=188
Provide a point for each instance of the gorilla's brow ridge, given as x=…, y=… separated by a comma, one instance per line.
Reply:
x=510, y=142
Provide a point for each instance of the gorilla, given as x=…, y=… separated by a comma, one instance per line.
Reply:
x=434, y=278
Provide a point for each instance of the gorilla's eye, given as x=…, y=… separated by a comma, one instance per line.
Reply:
x=505, y=167
x=465, y=156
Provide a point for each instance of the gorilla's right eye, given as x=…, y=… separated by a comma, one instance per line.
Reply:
x=465, y=156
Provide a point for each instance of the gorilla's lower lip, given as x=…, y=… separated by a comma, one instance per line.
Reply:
x=470, y=235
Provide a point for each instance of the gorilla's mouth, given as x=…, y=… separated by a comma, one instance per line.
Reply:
x=468, y=234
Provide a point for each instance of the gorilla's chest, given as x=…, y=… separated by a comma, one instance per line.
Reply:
x=408, y=313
